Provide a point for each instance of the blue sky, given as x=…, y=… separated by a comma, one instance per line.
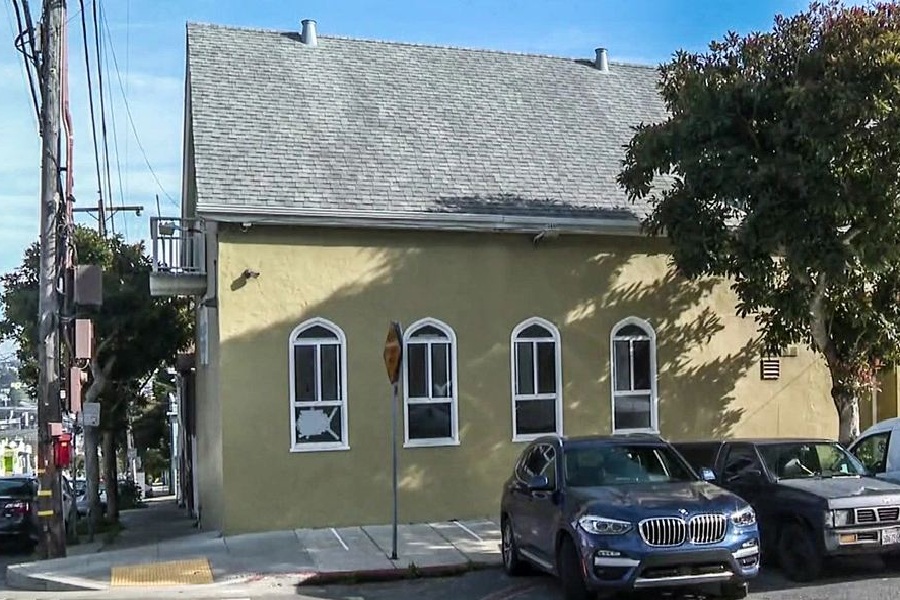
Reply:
x=147, y=41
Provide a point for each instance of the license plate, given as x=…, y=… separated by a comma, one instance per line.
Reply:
x=890, y=536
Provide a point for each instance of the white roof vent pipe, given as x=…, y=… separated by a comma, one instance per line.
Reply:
x=602, y=60
x=308, y=33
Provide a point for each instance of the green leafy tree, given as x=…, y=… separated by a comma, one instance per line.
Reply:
x=135, y=334
x=777, y=167
x=150, y=421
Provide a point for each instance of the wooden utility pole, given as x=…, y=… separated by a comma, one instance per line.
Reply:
x=52, y=531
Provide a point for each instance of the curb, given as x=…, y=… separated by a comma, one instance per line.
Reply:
x=399, y=573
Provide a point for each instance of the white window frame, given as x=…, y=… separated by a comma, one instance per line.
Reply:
x=555, y=338
x=453, y=400
x=344, y=444
x=650, y=335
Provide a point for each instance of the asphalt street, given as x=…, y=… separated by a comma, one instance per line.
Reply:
x=865, y=580
x=858, y=580
x=9, y=555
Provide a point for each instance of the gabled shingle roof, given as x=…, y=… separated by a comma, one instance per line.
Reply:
x=378, y=128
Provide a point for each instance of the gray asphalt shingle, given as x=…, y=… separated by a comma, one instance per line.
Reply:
x=383, y=127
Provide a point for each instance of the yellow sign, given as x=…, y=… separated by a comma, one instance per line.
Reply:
x=393, y=352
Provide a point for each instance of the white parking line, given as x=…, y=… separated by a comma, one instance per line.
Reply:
x=339, y=539
x=469, y=531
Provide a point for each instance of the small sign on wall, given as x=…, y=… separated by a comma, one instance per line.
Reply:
x=770, y=368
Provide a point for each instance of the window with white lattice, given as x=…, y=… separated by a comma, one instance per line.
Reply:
x=430, y=396
x=633, y=367
x=318, y=380
x=536, y=380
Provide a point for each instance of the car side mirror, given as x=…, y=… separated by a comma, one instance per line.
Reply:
x=539, y=483
x=707, y=474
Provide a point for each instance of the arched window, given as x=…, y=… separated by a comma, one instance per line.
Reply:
x=633, y=368
x=536, y=379
x=430, y=396
x=318, y=373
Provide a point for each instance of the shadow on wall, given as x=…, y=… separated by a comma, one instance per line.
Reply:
x=696, y=387
x=583, y=285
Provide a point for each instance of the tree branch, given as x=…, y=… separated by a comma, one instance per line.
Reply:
x=850, y=236
x=100, y=373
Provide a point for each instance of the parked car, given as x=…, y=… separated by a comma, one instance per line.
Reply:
x=18, y=509
x=878, y=448
x=813, y=498
x=610, y=514
x=70, y=508
x=81, y=501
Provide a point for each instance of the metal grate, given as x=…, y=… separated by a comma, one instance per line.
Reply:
x=889, y=514
x=663, y=532
x=884, y=514
x=707, y=529
x=769, y=368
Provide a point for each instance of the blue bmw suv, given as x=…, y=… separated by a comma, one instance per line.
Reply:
x=619, y=513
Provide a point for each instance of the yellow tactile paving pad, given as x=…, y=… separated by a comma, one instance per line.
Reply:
x=174, y=572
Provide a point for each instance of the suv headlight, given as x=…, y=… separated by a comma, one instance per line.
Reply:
x=744, y=517
x=837, y=518
x=601, y=526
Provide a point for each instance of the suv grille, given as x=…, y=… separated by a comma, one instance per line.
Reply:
x=663, y=532
x=707, y=529
x=672, y=531
x=885, y=514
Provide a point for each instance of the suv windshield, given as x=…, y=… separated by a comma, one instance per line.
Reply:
x=589, y=466
x=802, y=460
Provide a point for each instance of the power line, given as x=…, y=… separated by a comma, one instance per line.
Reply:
x=103, y=113
x=131, y=121
x=90, y=87
x=115, y=135
x=20, y=38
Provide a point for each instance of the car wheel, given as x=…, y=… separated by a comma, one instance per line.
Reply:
x=512, y=564
x=734, y=591
x=798, y=554
x=571, y=573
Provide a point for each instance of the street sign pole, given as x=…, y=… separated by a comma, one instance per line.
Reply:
x=394, y=403
x=393, y=358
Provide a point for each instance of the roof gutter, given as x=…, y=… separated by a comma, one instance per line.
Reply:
x=445, y=221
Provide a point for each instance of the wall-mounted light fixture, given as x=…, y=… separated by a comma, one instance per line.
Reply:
x=250, y=274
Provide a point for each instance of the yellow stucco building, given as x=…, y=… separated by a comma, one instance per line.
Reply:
x=332, y=186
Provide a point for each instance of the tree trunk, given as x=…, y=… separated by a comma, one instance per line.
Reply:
x=92, y=478
x=847, y=404
x=110, y=473
x=91, y=441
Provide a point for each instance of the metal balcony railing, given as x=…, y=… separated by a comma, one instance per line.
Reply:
x=179, y=246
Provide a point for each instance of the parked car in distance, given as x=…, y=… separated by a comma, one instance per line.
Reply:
x=81, y=497
x=618, y=513
x=70, y=508
x=813, y=499
x=878, y=448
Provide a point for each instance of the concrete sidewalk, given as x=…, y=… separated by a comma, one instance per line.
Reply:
x=293, y=557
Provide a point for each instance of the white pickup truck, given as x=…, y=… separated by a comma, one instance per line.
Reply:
x=878, y=448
